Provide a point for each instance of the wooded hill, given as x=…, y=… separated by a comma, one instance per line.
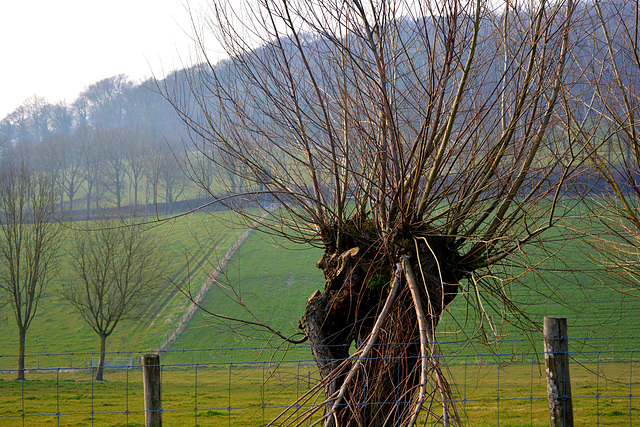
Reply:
x=122, y=142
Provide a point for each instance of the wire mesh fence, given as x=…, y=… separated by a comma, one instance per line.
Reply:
x=491, y=387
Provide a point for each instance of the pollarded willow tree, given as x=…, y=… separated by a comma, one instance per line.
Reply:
x=415, y=142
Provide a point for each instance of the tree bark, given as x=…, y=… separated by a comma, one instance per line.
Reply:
x=383, y=391
x=103, y=345
x=21, y=351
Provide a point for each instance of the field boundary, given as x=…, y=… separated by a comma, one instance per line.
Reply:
x=195, y=302
x=490, y=388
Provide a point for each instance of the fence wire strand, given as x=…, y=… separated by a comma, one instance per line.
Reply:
x=490, y=387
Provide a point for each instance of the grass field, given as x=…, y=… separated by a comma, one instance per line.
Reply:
x=566, y=283
x=248, y=395
x=57, y=328
x=274, y=279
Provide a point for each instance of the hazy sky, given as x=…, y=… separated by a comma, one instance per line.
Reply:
x=55, y=48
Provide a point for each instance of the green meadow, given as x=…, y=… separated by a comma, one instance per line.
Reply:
x=606, y=392
x=267, y=282
x=186, y=245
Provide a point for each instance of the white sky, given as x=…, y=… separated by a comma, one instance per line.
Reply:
x=56, y=48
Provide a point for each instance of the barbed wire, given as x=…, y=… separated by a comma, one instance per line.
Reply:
x=306, y=345
x=484, y=382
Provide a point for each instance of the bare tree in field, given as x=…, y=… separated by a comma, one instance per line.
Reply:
x=117, y=269
x=89, y=159
x=60, y=154
x=168, y=177
x=415, y=142
x=113, y=144
x=137, y=156
x=30, y=234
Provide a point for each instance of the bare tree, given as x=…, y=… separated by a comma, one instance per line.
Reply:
x=60, y=154
x=30, y=237
x=61, y=116
x=605, y=119
x=404, y=141
x=113, y=161
x=89, y=159
x=137, y=157
x=117, y=269
x=104, y=103
x=169, y=177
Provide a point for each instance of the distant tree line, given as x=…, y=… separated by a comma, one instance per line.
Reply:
x=113, y=147
x=116, y=142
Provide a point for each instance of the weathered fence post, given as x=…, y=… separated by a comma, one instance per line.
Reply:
x=556, y=359
x=152, y=390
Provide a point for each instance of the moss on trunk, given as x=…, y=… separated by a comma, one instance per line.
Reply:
x=342, y=315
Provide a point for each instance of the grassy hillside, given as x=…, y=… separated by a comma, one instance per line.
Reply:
x=567, y=282
x=57, y=328
x=274, y=279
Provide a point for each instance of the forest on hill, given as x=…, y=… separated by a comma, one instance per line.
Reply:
x=127, y=143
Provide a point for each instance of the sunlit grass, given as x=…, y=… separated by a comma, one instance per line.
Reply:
x=188, y=247
x=250, y=394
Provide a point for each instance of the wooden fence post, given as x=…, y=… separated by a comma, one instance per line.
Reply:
x=556, y=360
x=152, y=390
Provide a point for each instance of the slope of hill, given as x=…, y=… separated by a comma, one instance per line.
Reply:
x=188, y=244
x=273, y=279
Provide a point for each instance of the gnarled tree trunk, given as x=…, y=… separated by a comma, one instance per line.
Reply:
x=389, y=379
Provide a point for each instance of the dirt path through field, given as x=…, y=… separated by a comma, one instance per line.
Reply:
x=197, y=300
